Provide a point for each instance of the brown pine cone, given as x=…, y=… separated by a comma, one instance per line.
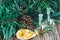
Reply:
x=28, y=20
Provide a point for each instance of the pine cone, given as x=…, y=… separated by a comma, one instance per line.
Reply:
x=27, y=20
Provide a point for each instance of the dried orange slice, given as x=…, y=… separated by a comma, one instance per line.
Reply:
x=25, y=34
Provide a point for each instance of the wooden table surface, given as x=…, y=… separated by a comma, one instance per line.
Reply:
x=52, y=35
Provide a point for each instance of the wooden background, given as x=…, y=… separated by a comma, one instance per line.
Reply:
x=52, y=35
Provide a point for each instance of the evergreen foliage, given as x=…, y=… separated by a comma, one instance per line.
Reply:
x=12, y=10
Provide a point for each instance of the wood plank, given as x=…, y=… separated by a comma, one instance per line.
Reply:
x=55, y=30
x=52, y=35
x=46, y=36
x=58, y=26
